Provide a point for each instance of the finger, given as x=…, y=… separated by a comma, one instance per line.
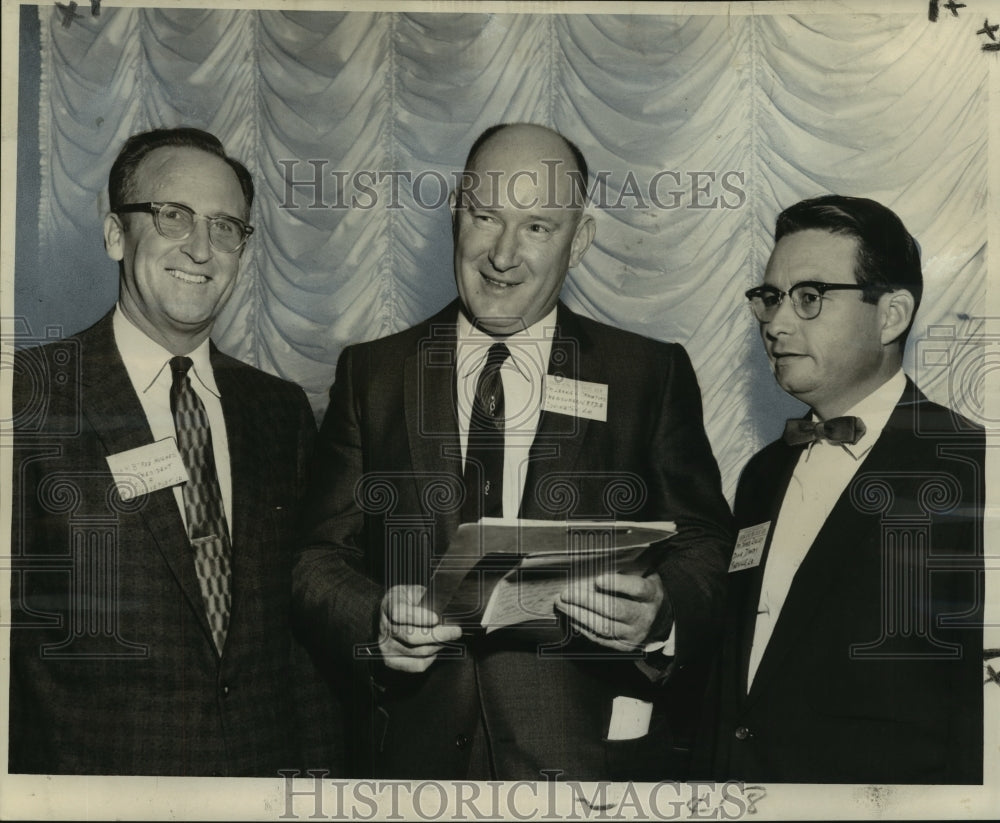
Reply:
x=606, y=632
x=609, y=606
x=406, y=614
x=634, y=586
x=591, y=621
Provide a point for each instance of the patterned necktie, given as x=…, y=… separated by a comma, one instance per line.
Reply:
x=484, y=454
x=206, y=520
x=836, y=430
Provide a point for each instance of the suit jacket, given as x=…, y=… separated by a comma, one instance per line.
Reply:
x=113, y=668
x=873, y=672
x=387, y=499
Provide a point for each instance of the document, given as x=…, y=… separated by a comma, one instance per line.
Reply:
x=499, y=572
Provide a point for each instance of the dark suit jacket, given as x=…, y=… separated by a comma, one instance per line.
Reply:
x=873, y=672
x=113, y=669
x=387, y=500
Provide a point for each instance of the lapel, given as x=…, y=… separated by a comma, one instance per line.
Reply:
x=557, y=442
x=113, y=410
x=767, y=490
x=430, y=409
x=832, y=557
x=240, y=409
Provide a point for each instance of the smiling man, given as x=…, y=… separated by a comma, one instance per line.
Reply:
x=154, y=506
x=451, y=421
x=853, y=650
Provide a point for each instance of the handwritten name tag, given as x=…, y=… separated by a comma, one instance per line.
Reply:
x=749, y=547
x=147, y=468
x=577, y=398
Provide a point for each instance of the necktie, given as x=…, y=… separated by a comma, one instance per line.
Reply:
x=206, y=520
x=836, y=430
x=484, y=453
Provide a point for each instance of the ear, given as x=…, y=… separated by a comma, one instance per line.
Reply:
x=114, y=242
x=582, y=239
x=895, y=313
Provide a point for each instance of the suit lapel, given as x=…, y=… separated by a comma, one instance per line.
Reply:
x=114, y=412
x=246, y=462
x=557, y=443
x=430, y=408
x=764, y=504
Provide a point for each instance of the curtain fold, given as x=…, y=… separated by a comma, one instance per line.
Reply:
x=698, y=131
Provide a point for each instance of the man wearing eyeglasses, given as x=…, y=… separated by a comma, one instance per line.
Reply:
x=154, y=504
x=854, y=632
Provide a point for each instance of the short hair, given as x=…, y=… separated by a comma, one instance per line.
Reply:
x=122, y=179
x=580, y=181
x=888, y=258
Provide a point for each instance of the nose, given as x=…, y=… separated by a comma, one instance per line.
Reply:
x=505, y=253
x=783, y=322
x=196, y=245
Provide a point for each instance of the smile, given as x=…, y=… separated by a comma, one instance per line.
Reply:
x=499, y=284
x=185, y=277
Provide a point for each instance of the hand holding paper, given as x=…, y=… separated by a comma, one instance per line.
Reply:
x=410, y=636
x=614, y=610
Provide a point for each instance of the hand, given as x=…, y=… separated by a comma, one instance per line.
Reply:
x=410, y=636
x=616, y=610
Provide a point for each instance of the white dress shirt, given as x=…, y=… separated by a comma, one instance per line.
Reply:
x=523, y=377
x=820, y=477
x=148, y=367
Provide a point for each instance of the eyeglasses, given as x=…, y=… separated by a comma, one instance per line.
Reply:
x=176, y=222
x=806, y=297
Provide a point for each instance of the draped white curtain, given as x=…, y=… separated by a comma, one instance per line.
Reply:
x=747, y=114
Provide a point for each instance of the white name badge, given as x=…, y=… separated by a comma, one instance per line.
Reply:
x=147, y=468
x=749, y=547
x=577, y=398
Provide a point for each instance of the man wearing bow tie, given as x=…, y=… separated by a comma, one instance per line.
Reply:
x=450, y=421
x=854, y=641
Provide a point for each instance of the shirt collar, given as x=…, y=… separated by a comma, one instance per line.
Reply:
x=874, y=411
x=145, y=359
x=529, y=348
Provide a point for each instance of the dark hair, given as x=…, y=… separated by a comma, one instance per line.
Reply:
x=888, y=258
x=121, y=180
x=579, y=180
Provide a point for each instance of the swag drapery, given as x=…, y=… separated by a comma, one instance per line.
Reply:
x=698, y=130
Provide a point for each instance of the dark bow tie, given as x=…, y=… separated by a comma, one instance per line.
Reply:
x=836, y=430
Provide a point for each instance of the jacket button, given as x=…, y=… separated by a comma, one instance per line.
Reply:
x=742, y=733
x=225, y=691
x=461, y=741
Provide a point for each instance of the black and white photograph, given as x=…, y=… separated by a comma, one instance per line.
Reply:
x=523, y=410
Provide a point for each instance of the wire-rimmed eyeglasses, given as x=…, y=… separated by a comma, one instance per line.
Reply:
x=806, y=297
x=176, y=222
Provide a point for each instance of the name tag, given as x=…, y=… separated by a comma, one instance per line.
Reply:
x=577, y=398
x=147, y=468
x=749, y=547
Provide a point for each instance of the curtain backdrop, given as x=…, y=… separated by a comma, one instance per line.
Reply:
x=698, y=129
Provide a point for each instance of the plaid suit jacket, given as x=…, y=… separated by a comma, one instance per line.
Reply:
x=113, y=670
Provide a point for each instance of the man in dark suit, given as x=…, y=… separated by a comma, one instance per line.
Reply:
x=403, y=459
x=156, y=486
x=853, y=647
